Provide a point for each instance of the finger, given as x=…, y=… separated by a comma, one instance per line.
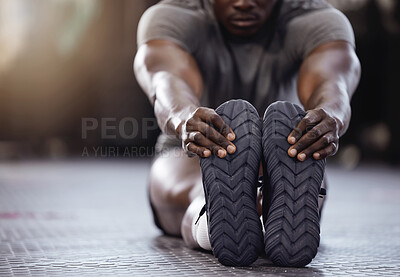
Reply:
x=311, y=119
x=216, y=137
x=330, y=150
x=220, y=125
x=308, y=139
x=200, y=140
x=198, y=150
x=320, y=144
x=212, y=134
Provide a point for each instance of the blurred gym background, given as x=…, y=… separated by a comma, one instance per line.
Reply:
x=68, y=63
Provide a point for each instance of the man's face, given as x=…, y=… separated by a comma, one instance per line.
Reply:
x=243, y=17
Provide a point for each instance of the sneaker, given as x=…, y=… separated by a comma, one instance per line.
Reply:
x=230, y=187
x=290, y=193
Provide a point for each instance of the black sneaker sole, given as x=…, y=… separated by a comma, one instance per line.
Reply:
x=230, y=187
x=290, y=204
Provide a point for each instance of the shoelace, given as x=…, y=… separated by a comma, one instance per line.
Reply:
x=202, y=211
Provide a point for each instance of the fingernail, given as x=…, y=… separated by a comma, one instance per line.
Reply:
x=206, y=153
x=230, y=136
x=292, y=140
x=302, y=157
x=317, y=156
x=230, y=149
x=293, y=152
x=221, y=153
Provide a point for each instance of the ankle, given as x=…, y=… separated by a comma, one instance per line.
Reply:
x=191, y=214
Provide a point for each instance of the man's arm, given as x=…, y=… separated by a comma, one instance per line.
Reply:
x=172, y=81
x=327, y=80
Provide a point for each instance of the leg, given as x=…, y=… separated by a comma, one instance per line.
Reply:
x=175, y=180
x=230, y=186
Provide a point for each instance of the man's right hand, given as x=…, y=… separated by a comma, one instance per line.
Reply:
x=205, y=132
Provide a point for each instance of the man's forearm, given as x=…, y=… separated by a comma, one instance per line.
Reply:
x=172, y=81
x=332, y=97
x=178, y=113
x=173, y=101
x=327, y=79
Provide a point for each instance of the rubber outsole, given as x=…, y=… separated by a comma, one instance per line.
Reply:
x=230, y=187
x=290, y=205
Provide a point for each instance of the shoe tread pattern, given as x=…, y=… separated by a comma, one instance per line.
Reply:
x=291, y=218
x=230, y=186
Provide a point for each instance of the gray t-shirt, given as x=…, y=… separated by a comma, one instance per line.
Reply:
x=262, y=69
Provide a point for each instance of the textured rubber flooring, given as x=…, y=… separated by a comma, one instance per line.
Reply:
x=83, y=218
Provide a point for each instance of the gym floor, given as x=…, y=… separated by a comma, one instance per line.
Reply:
x=91, y=217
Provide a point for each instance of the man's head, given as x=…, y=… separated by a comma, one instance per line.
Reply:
x=243, y=17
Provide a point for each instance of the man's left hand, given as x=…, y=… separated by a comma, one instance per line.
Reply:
x=316, y=135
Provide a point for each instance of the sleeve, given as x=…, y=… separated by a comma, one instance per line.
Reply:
x=311, y=30
x=169, y=22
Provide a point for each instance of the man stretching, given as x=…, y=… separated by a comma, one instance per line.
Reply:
x=210, y=68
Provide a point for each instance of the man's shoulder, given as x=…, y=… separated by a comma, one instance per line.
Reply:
x=291, y=9
x=193, y=12
x=305, y=24
x=185, y=22
x=193, y=5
